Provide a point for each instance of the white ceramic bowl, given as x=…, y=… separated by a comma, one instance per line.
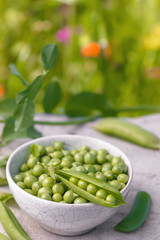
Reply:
x=62, y=218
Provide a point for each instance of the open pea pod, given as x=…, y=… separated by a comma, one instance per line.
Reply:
x=64, y=176
x=4, y=197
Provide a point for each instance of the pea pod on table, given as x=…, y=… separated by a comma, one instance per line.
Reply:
x=128, y=131
x=11, y=225
x=103, y=186
x=137, y=215
x=3, y=237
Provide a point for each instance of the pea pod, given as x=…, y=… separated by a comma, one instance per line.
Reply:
x=5, y=196
x=11, y=225
x=3, y=161
x=137, y=215
x=3, y=237
x=128, y=131
x=64, y=175
x=3, y=181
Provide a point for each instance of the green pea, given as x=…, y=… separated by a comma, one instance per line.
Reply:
x=58, y=145
x=45, y=159
x=36, y=186
x=29, y=180
x=29, y=172
x=84, y=148
x=44, y=190
x=73, y=180
x=111, y=199
x=18, y=178
x=117, y=169
x=123, y=166
x=48, y=182
x=66, y=162
x=42, y=177
x=81, y=169
x=100, y=176
x=101, y=158
x=54, y=162
x=92, y=188
x=58, y=188
x=101, y=193
x=32, y=161
x=57, y=154
x=122, y=186
x=74, y=151
x=28, y=191
x=41, y=150
x=83, y=152
x=90, y=158
x=98, y=167
x=76, y=164
x=102, y=152
x=109, y=175
x=49, y=149
x=115, y=184
x=38, y=170
x=66, y=153
x=94, y=152
x=69, y=196
x=82, y=184
x=109, y=157
x=106, y=166
x=116, y=160
x=21, y=185
x=90, y=168
x=57, y=197
x=122, y=178
x=24, y=167
x=46, y=196
x=80, y=200
x=78, y=157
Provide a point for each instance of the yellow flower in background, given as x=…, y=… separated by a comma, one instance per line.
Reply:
x=152, y=41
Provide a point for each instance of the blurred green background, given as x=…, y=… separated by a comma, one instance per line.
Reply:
x=127, y=70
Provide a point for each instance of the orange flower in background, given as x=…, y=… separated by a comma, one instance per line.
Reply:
x=2, y=91
x=153, y=73
x=91, y=50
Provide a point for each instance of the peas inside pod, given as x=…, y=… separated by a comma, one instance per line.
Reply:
x=73, y=176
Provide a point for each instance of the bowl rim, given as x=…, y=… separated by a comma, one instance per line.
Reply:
x=42, y=139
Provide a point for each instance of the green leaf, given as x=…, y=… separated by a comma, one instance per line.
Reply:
x=86, y=103
x=33, y=133
x=24, y=115
x=15, y=71
x=7, y=107
x=9, y=133
x=49, y=54
x=52, y=96
x=30, y=91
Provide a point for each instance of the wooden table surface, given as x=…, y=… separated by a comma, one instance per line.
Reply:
x=146, y=177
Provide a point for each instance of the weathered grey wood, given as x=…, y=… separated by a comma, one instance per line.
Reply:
x=146, y=177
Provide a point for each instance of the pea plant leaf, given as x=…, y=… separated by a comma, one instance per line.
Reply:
x=15, y=71
x=24, y=115
x=7, y=107
x=49, y=54
x=9, y=133
x=85, y=103
x=30, y=91
x=52, y=96
x=33, y=133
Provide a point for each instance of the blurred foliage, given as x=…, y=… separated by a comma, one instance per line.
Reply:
x=126, y=69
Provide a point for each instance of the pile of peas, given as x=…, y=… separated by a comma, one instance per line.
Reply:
x=33, y=177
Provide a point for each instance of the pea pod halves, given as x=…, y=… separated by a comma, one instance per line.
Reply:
x=137, y=215
x=128, y=131
x=64, y=175
x=11, y=225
